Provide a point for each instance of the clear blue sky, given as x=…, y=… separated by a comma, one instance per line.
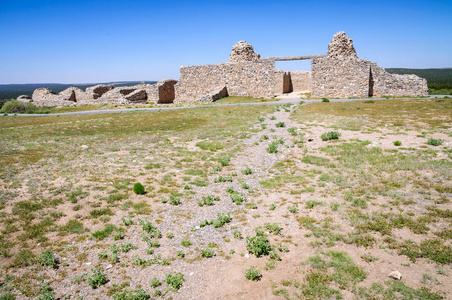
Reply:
x=84, y=41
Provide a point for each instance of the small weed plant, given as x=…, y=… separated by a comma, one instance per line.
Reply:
x=258, y=245
x=97, y=278
x=435, y=142
x=247, y=171
x=175, y=280
x=273, y=147
x=253, y=274
x=332, y=135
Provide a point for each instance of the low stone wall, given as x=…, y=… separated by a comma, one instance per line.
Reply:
x=387, y=84
x=301, y=81
x=161, y=92
x=255, y=79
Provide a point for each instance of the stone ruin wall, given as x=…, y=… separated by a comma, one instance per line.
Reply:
x=340, y=78
x=346, y=77
x=342, y=74
x=281, y=82
x=161, y=92
x=254, y=79
x=387, y=84
x=301, y=81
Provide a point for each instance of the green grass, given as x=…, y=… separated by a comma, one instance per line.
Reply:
x=415, y=113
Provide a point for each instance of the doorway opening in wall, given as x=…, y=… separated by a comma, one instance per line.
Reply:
x=293, y=76
x=371, y=84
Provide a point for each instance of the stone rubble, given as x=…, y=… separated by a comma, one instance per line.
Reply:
x=341, y=46
x=242, y=51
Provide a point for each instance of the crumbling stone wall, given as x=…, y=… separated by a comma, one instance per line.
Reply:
x=242, y=51
x=161, y=92
x=342, y=74
x=255, y=79
x=387, y=84
x=166, y=91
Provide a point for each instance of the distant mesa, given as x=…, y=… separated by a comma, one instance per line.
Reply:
x=339, y=74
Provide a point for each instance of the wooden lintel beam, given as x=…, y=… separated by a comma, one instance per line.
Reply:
x=284, y=58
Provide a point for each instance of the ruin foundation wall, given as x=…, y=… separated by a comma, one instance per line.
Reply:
x=254, y=79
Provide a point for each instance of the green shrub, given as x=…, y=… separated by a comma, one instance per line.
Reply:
x=185, y=243
x=273, y=147
x=247, y=171
x=292, y=131
x=222, y=219
x=274, y=228
x=332, y=135
x=97, y=279
x=253, y=274
x=280, y=124
x=224, y=179
x=238, y=199
x=435, y=142
x=207, y=253
x=212, y=146
x=325, y=100
x=47, y=292
x=208, y=200
x=137, y=294
x=150, y=229
x=15, y=106
x=258, y=245
x=155, y=282
x=175, y=280
x=224, y=160
x=47, y=258
x=101, y=234
x=138, y=189
x=174, y=200
x=7, y=296
x=397, y=143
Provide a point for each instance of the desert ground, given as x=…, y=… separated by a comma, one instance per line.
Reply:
x=278, y=201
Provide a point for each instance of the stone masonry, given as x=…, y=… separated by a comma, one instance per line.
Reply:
x=341, y=73
x=254, y=79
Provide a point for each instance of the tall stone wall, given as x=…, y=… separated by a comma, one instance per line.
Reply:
x=279, y=81
x=342, y=74
x=255, y=79
x=301, y=81
x=340, y=77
